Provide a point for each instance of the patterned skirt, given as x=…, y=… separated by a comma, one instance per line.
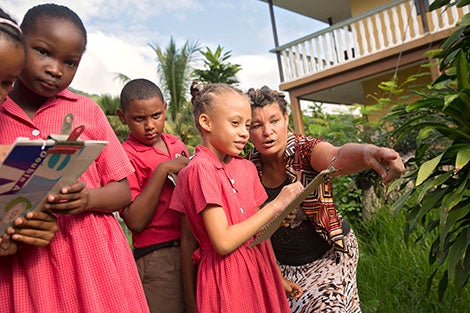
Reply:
x=329, y=284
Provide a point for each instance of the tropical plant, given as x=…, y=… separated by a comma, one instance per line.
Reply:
x=391, y=274
x=174, y=68
x=110, y=104
x=216, y=68
x=441, y=178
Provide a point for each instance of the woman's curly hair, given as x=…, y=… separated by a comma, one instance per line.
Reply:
x=266, y=96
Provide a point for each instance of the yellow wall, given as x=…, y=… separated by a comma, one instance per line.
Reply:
x=360, y=6
x=371, y=87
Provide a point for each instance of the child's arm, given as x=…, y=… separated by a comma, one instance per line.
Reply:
x=188, y=268
x=37, y=229
x=77, y=198
x=226, y=238
x=140, y=211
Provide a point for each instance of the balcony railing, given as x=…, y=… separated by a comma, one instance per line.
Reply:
x=386, y=27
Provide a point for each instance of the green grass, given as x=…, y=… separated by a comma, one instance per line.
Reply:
x=392, y=276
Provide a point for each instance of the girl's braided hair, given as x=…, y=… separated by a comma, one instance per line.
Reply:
x=204, y=94
x=9, y=29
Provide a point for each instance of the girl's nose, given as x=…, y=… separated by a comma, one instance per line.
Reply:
x=54, y=69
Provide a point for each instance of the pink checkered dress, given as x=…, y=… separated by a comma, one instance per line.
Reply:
x=88, y=267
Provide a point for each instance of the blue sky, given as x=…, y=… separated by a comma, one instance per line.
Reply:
x=120, y=31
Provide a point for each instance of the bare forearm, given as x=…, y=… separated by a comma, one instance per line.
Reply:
x=140, y=211
x=351, y=158
x=188, y=268
x=110, y=198
x=227, y=239
x=354, y=157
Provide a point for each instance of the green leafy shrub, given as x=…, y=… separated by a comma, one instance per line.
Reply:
x=441, y=174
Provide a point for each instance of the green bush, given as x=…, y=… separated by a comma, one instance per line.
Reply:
x=392, y=276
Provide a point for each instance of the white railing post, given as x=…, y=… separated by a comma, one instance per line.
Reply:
x=378, y=25
x=454, y=12
x=304, y=59
x=396, y=23
x=312, y=67
x=318, y=58
x=371, y=35
x=388, y=28
x=355, y=38
x=414, y=20
x=365, y=43
x=349, y=43
x=404, y=19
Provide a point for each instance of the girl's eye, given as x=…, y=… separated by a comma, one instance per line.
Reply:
x=42, y=51
x=235, y=123
x=71, y=63
x=8, y=83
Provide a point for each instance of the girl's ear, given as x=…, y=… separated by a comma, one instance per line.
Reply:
x=205, y=122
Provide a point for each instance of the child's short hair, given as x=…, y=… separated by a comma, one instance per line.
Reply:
x=204, y=94
x=139, y=89
x=46, y=13
x=9, y=28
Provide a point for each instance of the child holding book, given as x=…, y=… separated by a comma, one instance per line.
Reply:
x=156, y=230
x=88, y=267
x=36, y=228
x=220, y=193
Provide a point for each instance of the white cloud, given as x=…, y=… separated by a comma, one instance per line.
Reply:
x=119, y=33
x=257, y=71
x=107, y=55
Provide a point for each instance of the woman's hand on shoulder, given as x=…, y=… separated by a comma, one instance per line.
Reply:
x=70, y=200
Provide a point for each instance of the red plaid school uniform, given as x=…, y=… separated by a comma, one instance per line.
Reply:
x=88, y=267
x=246, y=280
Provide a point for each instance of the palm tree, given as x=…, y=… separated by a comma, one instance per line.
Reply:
x=174, y=69
x=217, y=70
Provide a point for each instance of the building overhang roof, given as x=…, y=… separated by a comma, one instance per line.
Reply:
x=322, y=10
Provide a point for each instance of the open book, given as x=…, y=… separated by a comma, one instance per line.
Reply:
x=34, y=168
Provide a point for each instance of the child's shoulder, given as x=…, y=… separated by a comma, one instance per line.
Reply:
x=171, y=138
x=80, y=99
x=242, y=163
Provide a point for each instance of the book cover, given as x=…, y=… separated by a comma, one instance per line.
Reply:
x=34, y=168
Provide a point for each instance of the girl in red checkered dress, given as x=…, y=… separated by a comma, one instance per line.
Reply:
x=36, y=228
x=220, y=194
x=88, y=266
